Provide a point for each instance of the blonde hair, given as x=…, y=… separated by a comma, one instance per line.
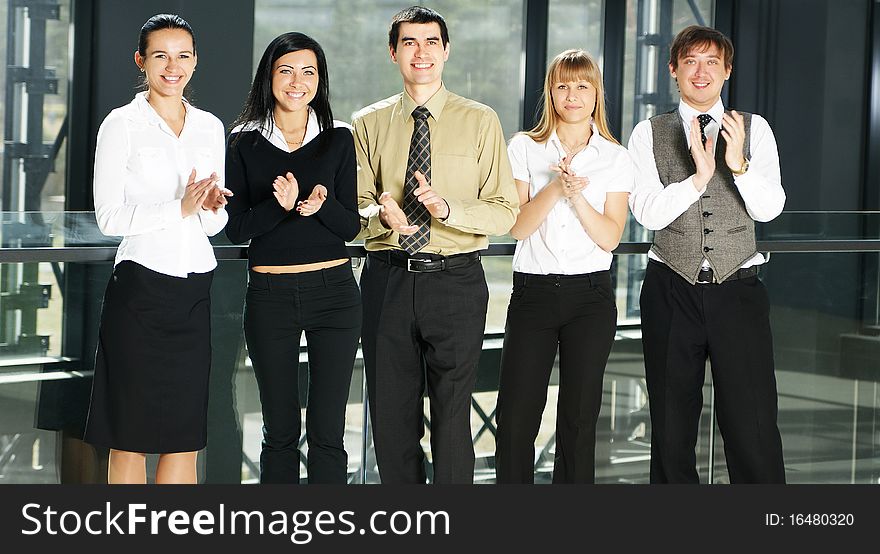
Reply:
x=571, y=66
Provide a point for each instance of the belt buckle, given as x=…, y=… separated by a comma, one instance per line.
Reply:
x=409, y=267
x=712, y=281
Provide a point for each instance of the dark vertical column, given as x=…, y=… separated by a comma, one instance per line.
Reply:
x=871, y=195
x=80, y=149
x=613, y=48
x=536, y=22
x=724, y=10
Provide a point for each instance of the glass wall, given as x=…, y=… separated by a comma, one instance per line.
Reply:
x=35, y=79
x=823, y=285
x=575, y=24
x=34, y=91
x=650, y=27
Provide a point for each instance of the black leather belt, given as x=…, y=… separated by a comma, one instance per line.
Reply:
x=707, y=276
x=423, y=262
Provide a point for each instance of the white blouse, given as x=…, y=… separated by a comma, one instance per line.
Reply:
x=141, y=172
x=560, y=245
x=273, y=134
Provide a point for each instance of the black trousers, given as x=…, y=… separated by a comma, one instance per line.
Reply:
x=278, y=308
x=422, y=332
x=577, y=314
x=682, y=325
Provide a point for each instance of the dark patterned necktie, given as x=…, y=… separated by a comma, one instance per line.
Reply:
x=704, y=120
x=419, y=160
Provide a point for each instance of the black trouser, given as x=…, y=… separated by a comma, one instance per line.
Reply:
x=682, y=325
x=326, y=305
x=422, y=329
x=577, y=314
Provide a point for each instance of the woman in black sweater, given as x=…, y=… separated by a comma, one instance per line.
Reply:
x=293, y=171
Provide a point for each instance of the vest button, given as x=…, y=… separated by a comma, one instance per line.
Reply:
x=706, y=249
x=707, y=214
x=707, y=231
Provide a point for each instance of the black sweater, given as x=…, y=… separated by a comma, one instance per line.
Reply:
x=279, y=237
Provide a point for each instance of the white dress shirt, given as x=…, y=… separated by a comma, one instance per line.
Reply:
x=141, y=172
x=560, y=245
x=760, y=187
x=273, y=134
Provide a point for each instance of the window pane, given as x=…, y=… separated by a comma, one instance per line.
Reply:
x=575, y=24
x=39, y=42
x=651, y=26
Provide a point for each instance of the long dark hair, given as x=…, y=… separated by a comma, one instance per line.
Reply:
x=160, y=22
x=261, y=102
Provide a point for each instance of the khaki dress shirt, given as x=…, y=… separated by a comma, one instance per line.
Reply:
x=469, y=169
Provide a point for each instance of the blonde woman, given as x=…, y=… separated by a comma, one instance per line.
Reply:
x=573, y=179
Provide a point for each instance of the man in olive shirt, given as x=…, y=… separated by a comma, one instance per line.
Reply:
x=433, y=181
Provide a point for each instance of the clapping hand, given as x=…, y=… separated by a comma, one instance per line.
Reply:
x=570, y=185
x=286, y=190
x=704, y=155
x=216, y=199
x=196, y=193
x=393, y=217
x=314, y=202
x=436, y=205
x=734, y=133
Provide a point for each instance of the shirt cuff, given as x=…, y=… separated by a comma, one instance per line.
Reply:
x=689, y=191
x=171, y=212
x=373, y=226
x=456, y=209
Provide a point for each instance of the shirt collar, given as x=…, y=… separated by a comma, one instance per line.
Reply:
x=687, y=112
x=596, y=141
x=147, y=111
x=274, y=135
x=435, y=104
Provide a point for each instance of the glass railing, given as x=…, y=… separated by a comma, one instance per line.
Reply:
x=823, y=285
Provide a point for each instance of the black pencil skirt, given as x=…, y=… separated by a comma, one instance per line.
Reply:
x=150, y=390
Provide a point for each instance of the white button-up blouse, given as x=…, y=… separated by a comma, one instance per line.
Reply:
x=560, y=245
x=141, y=172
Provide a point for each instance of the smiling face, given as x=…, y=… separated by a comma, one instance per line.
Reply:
x=420, y=54
x=701, y=74
x=295, y=80
x=574, y=101
x=169, y=61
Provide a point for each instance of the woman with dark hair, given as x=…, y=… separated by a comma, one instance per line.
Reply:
x=574, y=180
x=158, y=163
x=293, y=171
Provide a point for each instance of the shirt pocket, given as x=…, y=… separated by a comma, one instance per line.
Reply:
x=156, y=171
x=152, y=159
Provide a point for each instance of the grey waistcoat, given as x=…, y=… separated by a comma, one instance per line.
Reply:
x=717, y=227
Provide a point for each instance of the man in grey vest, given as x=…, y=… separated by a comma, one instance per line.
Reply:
x=705, y=175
